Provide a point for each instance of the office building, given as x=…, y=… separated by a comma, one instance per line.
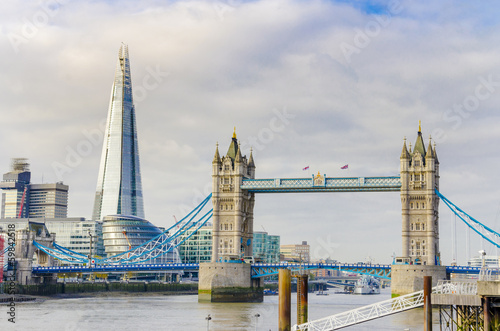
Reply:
x=295, y=253
x=22, y=199
x=122, y=233
x=119, y=187
x=266, y=248
x=73, y=233
x=197, y=247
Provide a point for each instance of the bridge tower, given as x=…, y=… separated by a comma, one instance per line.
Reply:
x=420, y=218
x=232, y=232
x=226, y=278
x=419, y=179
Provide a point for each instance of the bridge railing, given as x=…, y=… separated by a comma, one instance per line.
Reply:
x=462, y=287
x=489, y=274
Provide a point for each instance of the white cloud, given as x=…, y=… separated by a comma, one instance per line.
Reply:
x=232, y=67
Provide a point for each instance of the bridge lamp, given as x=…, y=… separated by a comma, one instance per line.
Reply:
x=483, y=254
x=208, y=318
x=90, y=251
x=256, y=320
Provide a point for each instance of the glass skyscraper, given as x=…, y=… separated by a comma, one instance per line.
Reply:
x=119, y=188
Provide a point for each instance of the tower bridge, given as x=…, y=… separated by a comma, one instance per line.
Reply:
x=234, y=186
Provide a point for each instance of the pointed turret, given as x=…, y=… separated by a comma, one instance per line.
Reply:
x=233, y=148
x=434, y=154
x=251, y=163
x=430, y=152
x=238, y=158
x=404, y=152
x=216, y=156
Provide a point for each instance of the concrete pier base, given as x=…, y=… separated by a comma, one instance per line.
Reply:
x=410, y=278
x=228, y=282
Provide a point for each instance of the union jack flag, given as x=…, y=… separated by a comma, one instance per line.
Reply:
x=345, y=167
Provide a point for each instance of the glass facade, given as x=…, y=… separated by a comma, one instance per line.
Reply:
x=198, y=248
x=72, y=233
x=122, y=232
x=119, y=187
x=266, y=248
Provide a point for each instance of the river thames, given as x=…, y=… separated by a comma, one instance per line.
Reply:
x=183, y=312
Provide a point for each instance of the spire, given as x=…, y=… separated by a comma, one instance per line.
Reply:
x=404, y=152
x=430, y=153
x=234, y=133
x=119, y=184
x=434, y=154
x=419, y=126
x=239, y=158
x=251, y=163
x=216, y=156
x=233, y=148
x=419, y=144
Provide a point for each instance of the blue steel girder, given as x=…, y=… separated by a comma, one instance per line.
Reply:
x=268, y=269
x=117, y=268
x=328, y=184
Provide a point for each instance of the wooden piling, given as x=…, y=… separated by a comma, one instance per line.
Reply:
x=427, y=303
x=302, y=289
x=285, y=302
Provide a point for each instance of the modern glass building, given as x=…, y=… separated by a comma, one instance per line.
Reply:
x=121, y=233
x=266, y=248
x=72, y=232
x=119, y=188
x=22, y=199
x=198, y=247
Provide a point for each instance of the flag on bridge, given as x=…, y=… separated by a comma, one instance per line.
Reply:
x=345, y=167
x=306, y=168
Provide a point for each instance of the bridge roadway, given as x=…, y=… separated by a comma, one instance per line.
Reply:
x=258, y=269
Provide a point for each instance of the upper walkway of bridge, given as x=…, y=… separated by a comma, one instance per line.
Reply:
x=323, y=184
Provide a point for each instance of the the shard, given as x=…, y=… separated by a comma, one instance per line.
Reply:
x=119, y=188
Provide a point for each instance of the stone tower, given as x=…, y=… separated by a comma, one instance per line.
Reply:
x=232, y=233
x=419, y=179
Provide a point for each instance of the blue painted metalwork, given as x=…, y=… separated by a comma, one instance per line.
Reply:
x=462, y=270
x=485, y=232
x=260, y=270
x=117, y=268
x=327, y=184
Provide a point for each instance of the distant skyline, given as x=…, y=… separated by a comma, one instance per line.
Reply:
x=318, y=84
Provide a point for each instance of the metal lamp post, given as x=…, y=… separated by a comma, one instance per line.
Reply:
x=208, y=318
x=256, y=320
x=90, y=252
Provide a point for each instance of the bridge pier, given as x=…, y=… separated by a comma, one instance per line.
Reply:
x=407, y=279
x=228, y=282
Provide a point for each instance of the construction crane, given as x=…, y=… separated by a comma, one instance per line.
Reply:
x=128, y=241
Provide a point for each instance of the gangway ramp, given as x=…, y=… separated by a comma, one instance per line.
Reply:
x=370, y=312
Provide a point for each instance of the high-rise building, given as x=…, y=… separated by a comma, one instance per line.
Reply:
x=22, y=199
x=119, y=188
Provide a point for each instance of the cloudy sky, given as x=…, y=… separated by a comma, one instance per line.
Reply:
x=306, y=83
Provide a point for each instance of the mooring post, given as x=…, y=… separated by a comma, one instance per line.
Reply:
x=302, y=289
x=427, y=303
x=285, y=302
x=486, y=312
